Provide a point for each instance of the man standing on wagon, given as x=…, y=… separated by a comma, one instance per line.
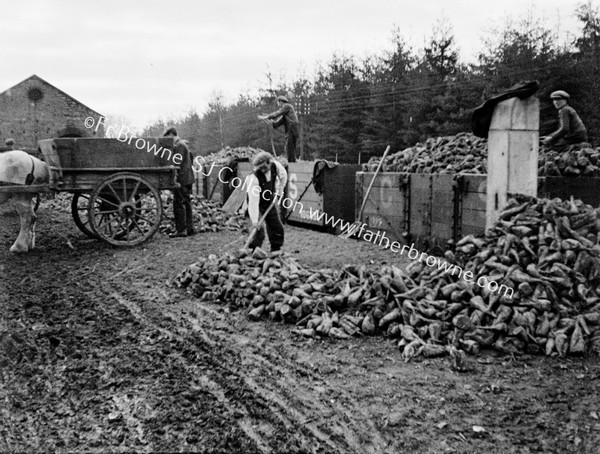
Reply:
x=182, y=196
x=286, y=116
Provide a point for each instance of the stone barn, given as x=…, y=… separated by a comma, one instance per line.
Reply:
x=35, y=109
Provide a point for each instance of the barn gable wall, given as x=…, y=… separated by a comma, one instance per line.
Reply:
x=34, y=109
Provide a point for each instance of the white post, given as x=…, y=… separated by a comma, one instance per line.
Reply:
x=513, y=142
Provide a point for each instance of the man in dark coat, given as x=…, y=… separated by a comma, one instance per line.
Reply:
x=571, y=130
x=285, y=115
x=182, y=196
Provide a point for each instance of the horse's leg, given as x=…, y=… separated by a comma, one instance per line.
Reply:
x=25, y=210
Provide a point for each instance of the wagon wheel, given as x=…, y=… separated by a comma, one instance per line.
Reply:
x=80, y=212
x=125, y=210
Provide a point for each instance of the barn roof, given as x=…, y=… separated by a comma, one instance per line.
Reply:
x=38, y=78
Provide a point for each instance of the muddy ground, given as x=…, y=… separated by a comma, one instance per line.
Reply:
x=97, y=354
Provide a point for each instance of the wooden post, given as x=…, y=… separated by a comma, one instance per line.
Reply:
x=513, y=143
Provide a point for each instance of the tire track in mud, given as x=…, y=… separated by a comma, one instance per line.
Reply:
x=81, y=374
x=200, y=378
x=265, y=422
x=290, y=395
x=101, y=369
x=297, y=397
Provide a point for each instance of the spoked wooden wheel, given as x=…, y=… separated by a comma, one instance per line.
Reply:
x=80, y=212
x=125, y=210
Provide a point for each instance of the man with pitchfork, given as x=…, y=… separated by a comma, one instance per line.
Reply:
x=285, y=115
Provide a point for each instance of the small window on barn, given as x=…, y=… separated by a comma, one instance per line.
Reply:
x=35, y=94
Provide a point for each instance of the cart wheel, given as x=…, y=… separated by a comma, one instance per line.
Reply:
x=125, y=210
x=80, y=212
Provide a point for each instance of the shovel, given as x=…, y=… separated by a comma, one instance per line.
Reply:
x=356, y=225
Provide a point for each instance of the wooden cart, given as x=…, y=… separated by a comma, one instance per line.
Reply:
x=115, y=184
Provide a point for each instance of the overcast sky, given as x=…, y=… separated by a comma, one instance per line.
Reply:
x=150, y=59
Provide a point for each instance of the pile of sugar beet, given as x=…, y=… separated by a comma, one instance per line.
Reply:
x=547, y=251
x=208, y=216
x=461, y=153
x=467, y=153
x=229, y=156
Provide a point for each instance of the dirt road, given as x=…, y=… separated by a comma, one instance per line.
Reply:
x=97, y=354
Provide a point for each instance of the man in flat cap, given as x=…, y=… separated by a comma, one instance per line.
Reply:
x=266, y=186
x=9, y=144
x=285, y=115
x=571, y=130
x=182, y=196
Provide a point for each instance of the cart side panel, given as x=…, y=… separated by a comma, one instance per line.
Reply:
x=79, y=164
x=92, y=153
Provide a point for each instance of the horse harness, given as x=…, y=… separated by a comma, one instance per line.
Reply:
x=29, y=178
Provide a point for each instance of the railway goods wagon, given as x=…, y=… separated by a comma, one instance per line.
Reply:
x=427, y=208
x=319, y=191
x=585, y=188
x=216, y=180
x=434, y=208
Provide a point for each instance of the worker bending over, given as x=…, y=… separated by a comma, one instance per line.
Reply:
x=266, y=186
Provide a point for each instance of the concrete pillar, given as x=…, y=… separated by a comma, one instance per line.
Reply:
x=513, y=142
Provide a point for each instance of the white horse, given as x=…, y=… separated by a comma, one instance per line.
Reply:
x=19, y=168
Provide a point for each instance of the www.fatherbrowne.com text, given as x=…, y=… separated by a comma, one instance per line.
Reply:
x=379, y=238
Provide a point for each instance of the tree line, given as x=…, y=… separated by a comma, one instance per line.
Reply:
x=351, y=109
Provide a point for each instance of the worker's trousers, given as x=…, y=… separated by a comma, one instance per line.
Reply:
x=274, y=231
